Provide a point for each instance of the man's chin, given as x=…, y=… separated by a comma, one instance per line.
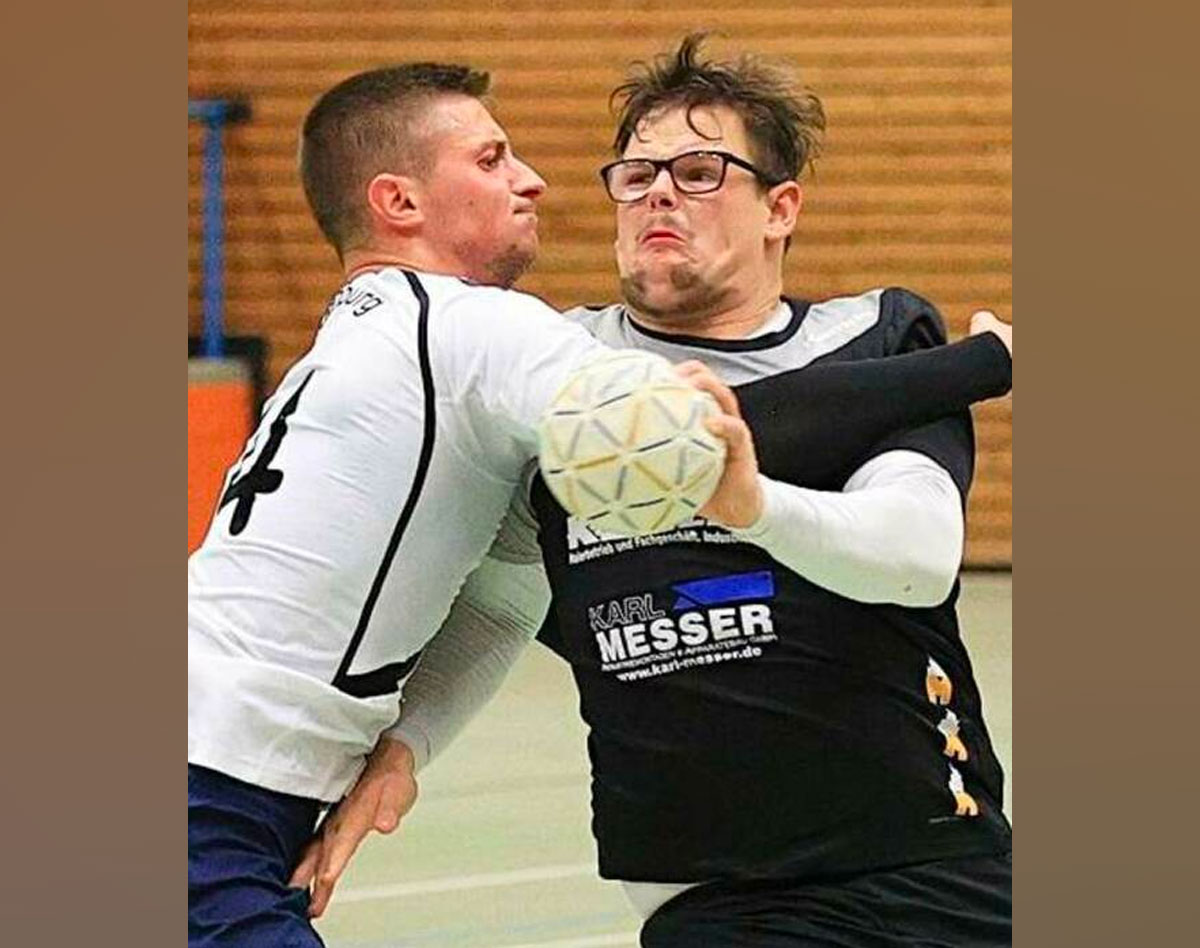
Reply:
x=505, y=269
x=664, y=290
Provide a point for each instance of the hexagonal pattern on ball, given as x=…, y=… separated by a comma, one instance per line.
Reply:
x=624, y=447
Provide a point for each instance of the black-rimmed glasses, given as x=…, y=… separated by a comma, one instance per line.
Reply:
x=693, y=172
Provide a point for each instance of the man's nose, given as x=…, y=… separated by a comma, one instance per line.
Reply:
x=529, y=183
x=662, y=191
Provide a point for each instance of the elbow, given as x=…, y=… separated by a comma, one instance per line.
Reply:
x=928, y=577
x=932, y=567
x=929, y=583
x=919, y=579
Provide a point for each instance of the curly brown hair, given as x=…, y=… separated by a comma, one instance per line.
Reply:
x=783, y=122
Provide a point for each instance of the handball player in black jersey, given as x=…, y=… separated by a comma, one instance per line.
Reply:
x=786, y=738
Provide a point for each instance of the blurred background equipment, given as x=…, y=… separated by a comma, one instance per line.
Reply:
x=214, y=114
x=224, y=388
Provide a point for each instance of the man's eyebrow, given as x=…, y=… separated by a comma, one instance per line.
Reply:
x=499, y=144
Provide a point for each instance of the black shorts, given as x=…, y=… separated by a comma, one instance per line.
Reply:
x=952, y=903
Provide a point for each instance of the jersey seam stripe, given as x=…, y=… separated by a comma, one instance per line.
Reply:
x=414, y=493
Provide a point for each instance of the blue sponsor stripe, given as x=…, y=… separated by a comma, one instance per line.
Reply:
x=718, y=589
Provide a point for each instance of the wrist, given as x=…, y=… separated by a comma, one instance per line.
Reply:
x=394, y=753
x=755, y=521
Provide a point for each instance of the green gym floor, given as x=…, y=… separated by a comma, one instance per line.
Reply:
x=497, y=852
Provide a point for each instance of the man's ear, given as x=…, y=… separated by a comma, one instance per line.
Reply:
x=783, y=205
x=394, y=202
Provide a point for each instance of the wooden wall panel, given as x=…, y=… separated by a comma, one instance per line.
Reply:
x=914, y=188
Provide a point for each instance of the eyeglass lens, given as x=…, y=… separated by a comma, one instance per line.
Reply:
x=693, y=173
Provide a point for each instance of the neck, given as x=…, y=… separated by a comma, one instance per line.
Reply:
x=364, y=259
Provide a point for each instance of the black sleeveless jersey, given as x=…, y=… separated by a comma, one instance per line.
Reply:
x=743, y=721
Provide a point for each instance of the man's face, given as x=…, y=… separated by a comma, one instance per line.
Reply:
x=478, y=198
x=683, y=257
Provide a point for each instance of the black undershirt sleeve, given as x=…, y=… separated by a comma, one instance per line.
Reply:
x=813, y=426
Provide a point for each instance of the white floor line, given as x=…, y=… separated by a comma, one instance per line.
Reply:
x=483, y=880
x=591, y=941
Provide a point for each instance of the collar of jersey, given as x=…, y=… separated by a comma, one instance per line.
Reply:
x=799, y=309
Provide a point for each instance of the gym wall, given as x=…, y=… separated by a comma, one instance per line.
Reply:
x=914, y=187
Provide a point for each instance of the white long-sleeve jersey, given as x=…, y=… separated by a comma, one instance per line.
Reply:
x=374, y=484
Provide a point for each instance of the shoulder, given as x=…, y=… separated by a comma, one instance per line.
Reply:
x=878, y=322
x=591, y=314
x=602, y=321
x=844, y=326
x=465, y=299
x=860, y=311
x=910, y=321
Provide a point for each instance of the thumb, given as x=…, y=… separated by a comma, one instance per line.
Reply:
x=734, y=432
x=387, y=817
x=396, y=800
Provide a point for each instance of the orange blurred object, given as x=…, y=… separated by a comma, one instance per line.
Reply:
x=219, y=417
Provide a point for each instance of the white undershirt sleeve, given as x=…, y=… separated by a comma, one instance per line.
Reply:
x=894, y=534
x=496, y=614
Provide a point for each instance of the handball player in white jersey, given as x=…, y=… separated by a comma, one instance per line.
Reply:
x=373, y=486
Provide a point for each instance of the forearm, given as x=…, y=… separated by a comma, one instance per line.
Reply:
x=894, y=536
x=812, y=425
x=494, y=617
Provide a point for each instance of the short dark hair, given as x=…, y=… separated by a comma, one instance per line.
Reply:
x=783, y=122
x=367, y=124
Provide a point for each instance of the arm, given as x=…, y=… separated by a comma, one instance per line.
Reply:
x=812, y=425
x=894, y=534
x=496, y=615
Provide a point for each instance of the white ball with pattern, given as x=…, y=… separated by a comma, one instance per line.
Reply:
x=623, y=446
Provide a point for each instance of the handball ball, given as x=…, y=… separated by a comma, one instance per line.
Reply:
x=623, y=446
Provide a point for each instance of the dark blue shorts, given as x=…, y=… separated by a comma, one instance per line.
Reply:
x=243, y=844
x=956, y=903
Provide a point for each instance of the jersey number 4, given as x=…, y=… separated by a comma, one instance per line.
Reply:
x=246, y=484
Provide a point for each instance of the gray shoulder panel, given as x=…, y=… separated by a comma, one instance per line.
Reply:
x=603, y=323
x=833, y=323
